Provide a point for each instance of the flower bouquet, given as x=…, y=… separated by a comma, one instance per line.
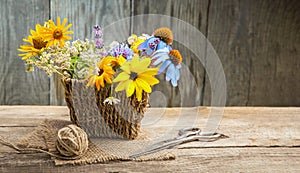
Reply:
x=116, y=78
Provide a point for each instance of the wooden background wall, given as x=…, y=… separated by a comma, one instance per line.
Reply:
x=258, y=42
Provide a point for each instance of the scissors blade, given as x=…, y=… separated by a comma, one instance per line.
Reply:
x=158, y=146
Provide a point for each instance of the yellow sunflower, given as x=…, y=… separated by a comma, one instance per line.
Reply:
x=57, y=33
x=36, y=43
x=136, y=77
x=118, y=61
x=105, y=73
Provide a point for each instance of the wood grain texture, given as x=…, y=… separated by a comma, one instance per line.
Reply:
x=275, y=61
x=186, y=17
x=84, y=15
x=191, y=160
x=259, y=141
x=246, y=126
x=258, y=44
x=17, y=86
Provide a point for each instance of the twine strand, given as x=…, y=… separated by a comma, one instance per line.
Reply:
x=70, y=134
x=72, y=141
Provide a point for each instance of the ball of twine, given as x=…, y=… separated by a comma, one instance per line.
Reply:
x=72, y=141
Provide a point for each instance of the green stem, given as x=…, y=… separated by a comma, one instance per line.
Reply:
x=59, y=73
x=111, y=90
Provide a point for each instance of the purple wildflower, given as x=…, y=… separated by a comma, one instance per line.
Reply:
x=122, y=49
x=98, y=34
x=99, y=43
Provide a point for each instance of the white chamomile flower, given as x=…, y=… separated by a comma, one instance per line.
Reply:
x=111, y=100
x=144, y=36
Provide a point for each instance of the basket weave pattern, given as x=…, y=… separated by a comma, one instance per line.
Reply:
x=88, y=111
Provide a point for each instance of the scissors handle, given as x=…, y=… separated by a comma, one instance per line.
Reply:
x=182, y=133
x=189, y=131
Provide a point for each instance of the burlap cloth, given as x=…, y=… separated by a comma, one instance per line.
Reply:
x=100, y=150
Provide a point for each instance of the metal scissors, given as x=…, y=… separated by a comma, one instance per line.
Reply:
x=184, y=135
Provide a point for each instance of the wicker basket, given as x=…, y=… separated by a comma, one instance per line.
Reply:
x=103, y=120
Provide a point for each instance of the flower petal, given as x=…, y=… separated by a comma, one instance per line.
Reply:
x=159, y=59
x=150, y=51
x=161, y=45
x=177, y=74
x=32, y=32
x=125, y=67
x=67, y=27
x=130, y=89
x=174, y=82
x=101, y=80
x=145, y=62
x=98, y=82
x=149, y=79
x=143, y=85
x=164, y=66
x=91, y=81
x=107, y=78
x=170, y=72
x=140, y=67
x=144, y=45
x=64, y=22
x=67, y=37
x=58, y=21
x=150, y=71
x=121, y=77
x=122, y=86
x=69, y=32
x=138, y=92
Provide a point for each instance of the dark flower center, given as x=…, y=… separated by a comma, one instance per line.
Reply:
x=133, y=75
x=57, y=34
x=100, y=72
x=38, y=42
x=174, y=60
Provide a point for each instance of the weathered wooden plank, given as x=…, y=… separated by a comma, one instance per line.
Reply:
x=17, y=86
x=252, y=126
x=275, y=61
x=246, y=126
x=22, y=116
x=187, y=17
x=188, y=160
x=258, y=43
x=259, y=141
x=255, y=41
x=84, y=15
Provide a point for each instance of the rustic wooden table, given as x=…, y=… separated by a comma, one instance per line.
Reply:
x=262, y=139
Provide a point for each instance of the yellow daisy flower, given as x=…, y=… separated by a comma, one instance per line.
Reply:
x=58, y=33
x=135, y=41
x=136, y=77
x=36, y=43
x=105, y=73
